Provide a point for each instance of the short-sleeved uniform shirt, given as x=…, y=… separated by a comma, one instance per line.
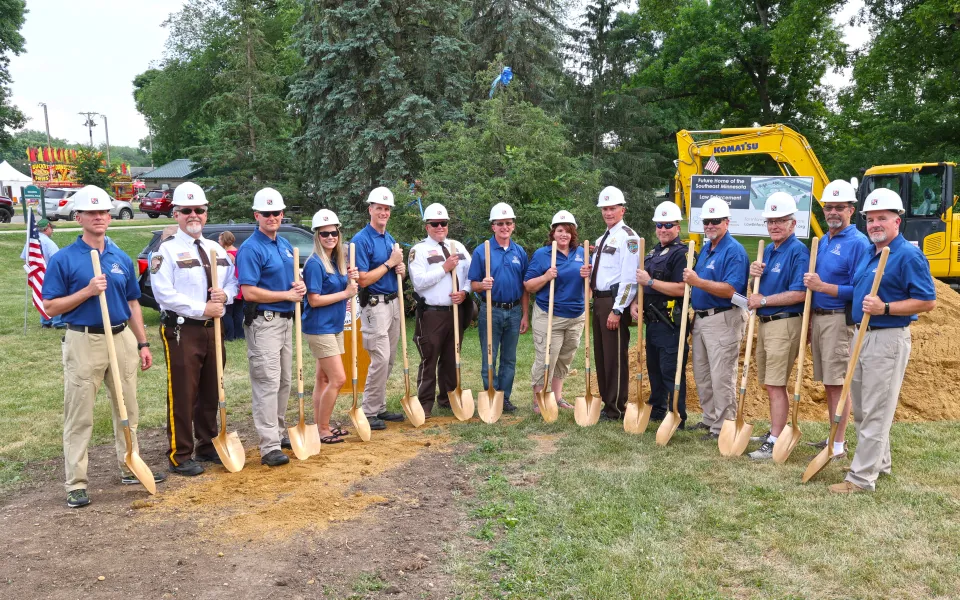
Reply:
x=727, y=262
x=618, y=261
x=837, y=259
x=429, y=279
x=323, y=319
x=568, y=286
x=267, y=264
x=373, y=249
x=179, y=279
x=785, y=266
x=664, y=263
x=906, y=276
x=71, y=269
x=507, y=266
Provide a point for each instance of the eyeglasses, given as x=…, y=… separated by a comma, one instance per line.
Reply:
x=670, y=225
x=835, y=207
x=777, y=222
x=190, y=211
x=503, y=223
x=326, y=234
x=437, y=224
x=271, y=213
x=712, y=221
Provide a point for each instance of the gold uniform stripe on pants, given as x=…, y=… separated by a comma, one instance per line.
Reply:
x=173, y=431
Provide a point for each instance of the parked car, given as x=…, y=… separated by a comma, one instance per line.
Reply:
x=6, y=209
x=156, y=203
x=59, y=204
x=298, y=236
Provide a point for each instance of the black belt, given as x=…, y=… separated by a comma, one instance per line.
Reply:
x=504, y=305
x=777, y=317
x=97, y=330
x=821, y=311
x=171, y=320
x=600, y=294
x=438, y=308
x=877, y=328
x=376, y=299
x=702, y=314
x=282, y=315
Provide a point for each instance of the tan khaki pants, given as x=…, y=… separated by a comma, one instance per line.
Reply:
x=86, y=364
x=716, y=352
x=380, y=325
x=564, y=341
x=875, y=390
x=270, y=352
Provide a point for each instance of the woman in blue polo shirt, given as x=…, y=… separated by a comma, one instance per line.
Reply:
x=567, y=304
x=329, y=285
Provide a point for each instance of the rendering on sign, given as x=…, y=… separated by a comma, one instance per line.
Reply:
x=746, y=195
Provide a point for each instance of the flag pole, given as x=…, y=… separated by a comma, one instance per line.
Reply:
x=26, y=271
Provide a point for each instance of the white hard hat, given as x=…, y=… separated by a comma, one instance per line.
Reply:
x=268, y=199
x=189, y=194
x=838, y=190
x=435, y=212
x=323, y=218
x=779, y=204
x=501, y=210
x=883, y=199
x=667, y=212
x=90, y=197
x=563, y=218
x=715, y=208
x=381, y=195
x=610, y=196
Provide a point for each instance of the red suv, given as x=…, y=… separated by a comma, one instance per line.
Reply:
x=157, y=202
x=6, y=209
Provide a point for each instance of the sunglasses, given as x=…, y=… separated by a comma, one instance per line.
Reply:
x=835, y=208
x=503, y=223
x=777, y=222
x=438, y=224
x=326, y=234
x=667, y=225
x=712, y=221
x=270, y=213
x=190, y=211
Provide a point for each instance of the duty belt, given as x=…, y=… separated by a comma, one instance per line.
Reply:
x=701, y=314
x=270, y=314
x=504, y=305
x=602, y=294
x=821, y=311
x=378, y=298
x=777, y=317
x=438, y=308
x=173, y=319
x=97, y=330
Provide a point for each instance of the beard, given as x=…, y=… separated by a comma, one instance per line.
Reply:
x=878, y=237
x=834, y=223
x=194, y=228
x=712, y=236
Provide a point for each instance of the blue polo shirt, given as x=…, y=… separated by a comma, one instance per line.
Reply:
x=784, y=273
x=329, y=318
x=507, y=267
x=568, y=286
x=906, y=276
x=70, y=270
x=729, y=263
x=837, y=260
x=267, y=264
x=373, y=249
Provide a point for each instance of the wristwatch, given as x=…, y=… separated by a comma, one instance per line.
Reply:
x=886, y=308
x=650, y=282
x=143, y=345
x=763, y=301
x=617, y=312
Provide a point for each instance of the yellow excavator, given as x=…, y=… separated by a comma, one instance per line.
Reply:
x=931, y=221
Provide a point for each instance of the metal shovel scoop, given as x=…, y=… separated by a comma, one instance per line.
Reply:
x=546, y=399
x=411, y=405
x=132, y=459
x=638, y=412
x=304, y=439
x=586, y=408
x=359, y=419
x=461, y=401
x=490, y=401
x=671, y=421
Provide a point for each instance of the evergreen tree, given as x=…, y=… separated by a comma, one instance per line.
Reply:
x=11, y=41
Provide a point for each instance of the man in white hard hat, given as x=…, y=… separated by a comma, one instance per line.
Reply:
x=720, y=272
x=508, y=263
x=265, y=263
x=431, y=262
x=614, y=283
x=779, y=306
x=190, y=300
x=662, y=283
x=71, y=289
x=378, y=261
x=831, y=324
x=906, y=289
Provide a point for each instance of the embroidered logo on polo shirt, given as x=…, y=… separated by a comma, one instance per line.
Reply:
x=515, y=260
x=115, y=268
x=836, y=250
x=776, y=268
x=710, y=265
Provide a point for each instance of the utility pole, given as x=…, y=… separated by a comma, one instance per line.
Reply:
x=46, y=121
x=106, y=132
x=150, y=133
x=90, y=123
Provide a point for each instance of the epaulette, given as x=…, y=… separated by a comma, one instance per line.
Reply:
x=630, y=231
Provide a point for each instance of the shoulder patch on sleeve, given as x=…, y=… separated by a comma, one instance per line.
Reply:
x=155, y=263
x=413, y=254
x=633, y=246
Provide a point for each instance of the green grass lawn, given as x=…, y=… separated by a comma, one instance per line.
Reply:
x=567, y=512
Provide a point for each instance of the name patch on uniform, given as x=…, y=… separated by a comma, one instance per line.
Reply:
x=633, y=246
x=115, y=268
x=609, y=249
x=432, y=260
x=222, y=262
x=155, y=263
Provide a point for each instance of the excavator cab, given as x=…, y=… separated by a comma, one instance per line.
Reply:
x=930, y=221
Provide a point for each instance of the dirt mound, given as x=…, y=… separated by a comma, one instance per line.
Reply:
x=931, y=384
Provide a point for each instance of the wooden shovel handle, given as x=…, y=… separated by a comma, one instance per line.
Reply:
x=553, y=264
x=108, y=332
x=296, y=324
x=217, y=331
x=806, y=325
x=640, y=310
x=586, y=308
x=353, y=324
x=486, y=255
x=403, y=318
x=750, y=327
x=683, y=323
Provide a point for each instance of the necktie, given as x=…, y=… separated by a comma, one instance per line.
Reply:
x=206, y=265
x=446, y=253
x=596, y=264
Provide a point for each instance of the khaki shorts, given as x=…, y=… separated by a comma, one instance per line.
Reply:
x=831, y=337
x=778, y=343
x=325, y=345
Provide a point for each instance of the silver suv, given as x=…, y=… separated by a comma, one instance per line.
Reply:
x=59, y=205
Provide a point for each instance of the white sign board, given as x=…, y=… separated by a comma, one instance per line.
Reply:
x=746, y=195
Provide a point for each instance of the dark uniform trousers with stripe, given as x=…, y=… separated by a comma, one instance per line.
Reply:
x=433, y=337
x=192, y=390
x=610, y=353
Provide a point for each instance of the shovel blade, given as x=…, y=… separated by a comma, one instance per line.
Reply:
x=230, y=450
x=461, y=401
x=490, y=406
x=548, y=406
x=742, y=440
x=583, y=412
x=817, y=464
x=667, y=428
x=728, y=433
x=360, y=423
x=139, y=468
x=414, y=410
x=305, y=440
x=785, y=443
x=637, y=418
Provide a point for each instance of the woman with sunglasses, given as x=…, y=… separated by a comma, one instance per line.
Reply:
x=567, y=304
x=330, y=283
x=662, y=283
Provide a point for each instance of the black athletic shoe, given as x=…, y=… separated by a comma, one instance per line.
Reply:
x=390, y=416
x=213, y=457
x=188, y=468
x=77, y=498
x=606, y=417
x=508, y=406
x=376, y=424
x=708, y=436
x=131, y=479
x=274, y=458
x=285, y=443
x=701, y=426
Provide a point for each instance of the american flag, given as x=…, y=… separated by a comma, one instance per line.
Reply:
x=36, y=266
x=712, y=165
